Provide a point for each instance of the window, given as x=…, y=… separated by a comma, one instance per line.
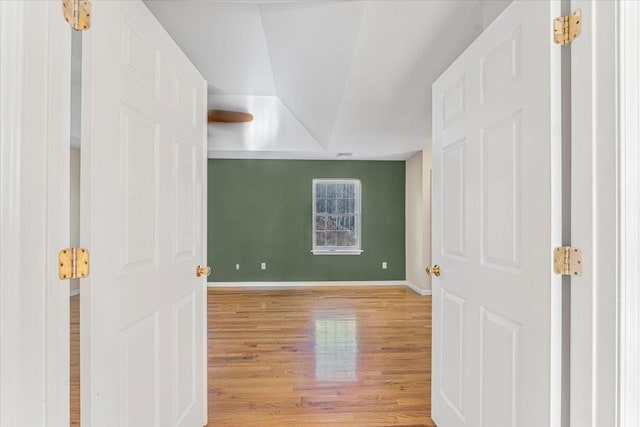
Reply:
x=336, y=217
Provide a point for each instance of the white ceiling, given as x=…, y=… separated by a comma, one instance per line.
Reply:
x=323, y=77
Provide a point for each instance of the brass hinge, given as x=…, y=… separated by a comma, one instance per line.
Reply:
x=73, y=263
x=77, y=13
x=567, y=28
x=567, y=261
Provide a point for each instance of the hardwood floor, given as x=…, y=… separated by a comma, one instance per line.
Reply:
x=74, y=396
x=319, y=356
x=349, y=356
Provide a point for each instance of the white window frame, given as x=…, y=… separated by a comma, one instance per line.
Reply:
x=338, y=250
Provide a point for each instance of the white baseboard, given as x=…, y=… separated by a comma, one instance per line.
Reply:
x=417, y=290
x=277, y=285
x=74, y=292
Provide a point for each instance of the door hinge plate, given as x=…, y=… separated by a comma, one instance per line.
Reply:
x=77, y=13
x=567, y=261
x=73, y=263
x=567, y=28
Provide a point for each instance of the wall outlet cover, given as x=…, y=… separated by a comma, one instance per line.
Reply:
x=237, y=266
x=263, y=266
x=384, y=265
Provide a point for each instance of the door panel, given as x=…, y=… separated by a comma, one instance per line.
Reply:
x=498, y=369
x=453, y=348
x=140, y=176
x=501, y=199
x=185, y=358
x=138, y=372
x=184, y=168
x=453, y=200
x=501, y=66
x=496, y=213
x=143, y=321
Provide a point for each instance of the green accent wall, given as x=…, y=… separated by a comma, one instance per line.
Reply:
x=261, y=211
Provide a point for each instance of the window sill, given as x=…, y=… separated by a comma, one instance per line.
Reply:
x=336, y=251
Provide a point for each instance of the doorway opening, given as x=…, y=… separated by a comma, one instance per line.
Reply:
x=74, y=218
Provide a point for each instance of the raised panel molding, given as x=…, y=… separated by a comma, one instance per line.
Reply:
x=499, y=372
x=184, y=167
x=184, y=99
x=139, y=195
x=453, y=103
x=139, y=373
x=184, y=357
x=453, y=201
x=501, y=193
x=452, y=347
x=501, y=66
x=140, y=57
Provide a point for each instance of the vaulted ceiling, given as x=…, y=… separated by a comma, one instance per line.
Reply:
x=323, y=77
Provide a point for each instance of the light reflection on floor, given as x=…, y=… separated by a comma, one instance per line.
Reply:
x=336, y=348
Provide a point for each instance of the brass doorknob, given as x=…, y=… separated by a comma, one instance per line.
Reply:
x=433, y=271
x=203, y=271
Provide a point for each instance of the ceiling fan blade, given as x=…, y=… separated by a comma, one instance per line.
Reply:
x=226, y=116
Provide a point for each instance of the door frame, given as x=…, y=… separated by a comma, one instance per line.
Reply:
x=595, y=213
x=629, y=108
x=35, y=52
x=34, y=373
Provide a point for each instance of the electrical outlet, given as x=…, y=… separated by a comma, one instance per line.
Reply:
x=384, y=265
x=263, y=266
x=237, y=266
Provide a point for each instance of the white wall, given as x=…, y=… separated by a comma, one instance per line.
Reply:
x=75, y=208
x=418, y=219
x=491, y=9
x=413, y=221
x=426, y=214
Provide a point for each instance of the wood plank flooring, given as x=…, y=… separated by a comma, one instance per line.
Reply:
x=74, y=396
x=352, y=356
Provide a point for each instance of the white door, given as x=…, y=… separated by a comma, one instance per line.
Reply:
x=143, y=312
x=496, y=219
